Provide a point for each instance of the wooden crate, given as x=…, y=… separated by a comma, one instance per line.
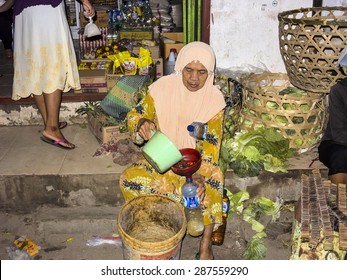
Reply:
x=105, y=134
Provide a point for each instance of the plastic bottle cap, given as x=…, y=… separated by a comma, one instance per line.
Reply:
x=190, y=128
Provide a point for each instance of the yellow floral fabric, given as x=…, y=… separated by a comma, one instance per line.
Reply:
x=141, y=178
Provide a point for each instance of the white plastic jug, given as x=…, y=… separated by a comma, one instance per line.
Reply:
x=169, y=64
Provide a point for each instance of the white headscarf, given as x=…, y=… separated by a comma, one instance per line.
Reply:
x=176, y=106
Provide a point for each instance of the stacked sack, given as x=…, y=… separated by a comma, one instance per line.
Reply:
x=161, y=10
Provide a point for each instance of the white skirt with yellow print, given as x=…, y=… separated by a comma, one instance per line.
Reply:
x=44, y=55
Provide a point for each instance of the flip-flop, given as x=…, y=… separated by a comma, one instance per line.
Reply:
x=62, y=125
x=57, y=143
x=197, y=256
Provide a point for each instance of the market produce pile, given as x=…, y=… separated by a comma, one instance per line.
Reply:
x=248, y=153
x=267, y=121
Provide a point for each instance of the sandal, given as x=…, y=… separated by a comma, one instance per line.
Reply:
x=62, y=125
x=58, y=143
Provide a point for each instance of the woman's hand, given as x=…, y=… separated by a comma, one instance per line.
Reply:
x=145, y=128
x=88, y=8
x=201, y=190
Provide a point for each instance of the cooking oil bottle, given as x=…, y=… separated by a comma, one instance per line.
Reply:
x=217, y=237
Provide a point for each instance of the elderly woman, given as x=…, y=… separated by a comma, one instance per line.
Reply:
x=172, y=103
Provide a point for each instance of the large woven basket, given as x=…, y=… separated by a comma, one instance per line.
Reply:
x=311, y=41
x=301, y=119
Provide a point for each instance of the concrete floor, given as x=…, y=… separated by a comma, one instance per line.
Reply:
x=23, y=153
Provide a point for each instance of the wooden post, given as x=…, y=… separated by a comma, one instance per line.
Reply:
x=205, y=22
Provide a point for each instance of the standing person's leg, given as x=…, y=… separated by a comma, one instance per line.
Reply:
x=40, y=103
x=52, y=102
x=49, y=107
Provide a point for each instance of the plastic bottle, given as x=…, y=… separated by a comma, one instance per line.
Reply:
x=169, y=64
x=198, y=130
x=217, y=237
x=195, y=225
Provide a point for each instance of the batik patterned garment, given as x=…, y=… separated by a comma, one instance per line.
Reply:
x=141, y=178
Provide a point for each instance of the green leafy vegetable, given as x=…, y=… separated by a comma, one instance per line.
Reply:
x=256, y=249
x=237, y=200
x=248, y=153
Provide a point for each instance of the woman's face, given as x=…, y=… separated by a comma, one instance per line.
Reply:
x=194, y=76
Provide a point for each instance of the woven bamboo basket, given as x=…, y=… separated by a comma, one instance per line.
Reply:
x=301, y=119
x=311, y=41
